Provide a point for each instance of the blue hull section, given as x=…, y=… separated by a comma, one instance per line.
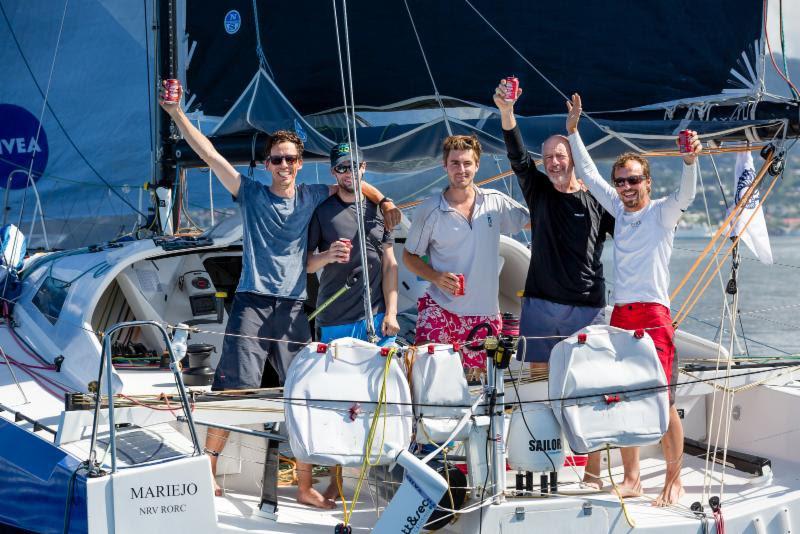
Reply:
x=35, y=480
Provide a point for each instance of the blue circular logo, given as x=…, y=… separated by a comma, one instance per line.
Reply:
x=233, y=21
x=19, y=146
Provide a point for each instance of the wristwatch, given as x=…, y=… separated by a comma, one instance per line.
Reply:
x=385, y=199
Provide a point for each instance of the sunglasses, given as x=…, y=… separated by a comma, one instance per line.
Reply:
x=290, y=160
x=342, y=169
x=631, y=180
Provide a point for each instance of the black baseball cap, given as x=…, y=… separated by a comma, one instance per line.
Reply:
x=341, y=153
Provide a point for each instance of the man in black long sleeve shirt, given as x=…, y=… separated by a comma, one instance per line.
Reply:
x=565, y=288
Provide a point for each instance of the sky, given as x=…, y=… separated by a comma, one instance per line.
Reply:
x=791, y=27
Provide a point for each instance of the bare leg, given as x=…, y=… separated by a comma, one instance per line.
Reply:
x=306, y=494
x=332, y=491
x=591, y=475
x=672, y=445
x=215, y=442
x=632, y=483
x=539, y=370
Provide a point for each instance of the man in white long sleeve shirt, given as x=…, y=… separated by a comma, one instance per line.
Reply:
x=643, y=237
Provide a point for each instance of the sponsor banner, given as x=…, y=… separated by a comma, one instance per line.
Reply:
x=22, y=143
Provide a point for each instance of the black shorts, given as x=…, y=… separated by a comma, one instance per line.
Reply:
x=245, y=354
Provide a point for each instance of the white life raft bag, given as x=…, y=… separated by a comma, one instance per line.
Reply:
x=440, y=392
x=535, y=441
x=607, y=386
x=331, y=396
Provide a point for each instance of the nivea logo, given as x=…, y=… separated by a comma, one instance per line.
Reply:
x=233, y=21
x=19, y=146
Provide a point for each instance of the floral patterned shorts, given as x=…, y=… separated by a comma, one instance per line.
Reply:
x=437, y=325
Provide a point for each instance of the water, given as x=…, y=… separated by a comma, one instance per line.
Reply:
x=768, y=295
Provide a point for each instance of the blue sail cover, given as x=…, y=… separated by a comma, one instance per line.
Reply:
x=247, y=71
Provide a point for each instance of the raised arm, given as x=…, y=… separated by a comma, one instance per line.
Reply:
x=585, y=168
x=201, y=145
x=679, y=201
x=521, y=162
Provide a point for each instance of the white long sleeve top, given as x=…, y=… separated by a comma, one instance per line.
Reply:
x=642, y=239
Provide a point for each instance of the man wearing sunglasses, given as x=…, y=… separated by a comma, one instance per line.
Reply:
x=565, y=287
x=334, y=247
x=643, y=237
x=459, y=230
x=267, y=322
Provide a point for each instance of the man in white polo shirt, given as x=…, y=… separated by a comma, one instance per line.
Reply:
x=459, y=230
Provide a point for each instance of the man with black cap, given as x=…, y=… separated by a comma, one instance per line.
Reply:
x=334, y=247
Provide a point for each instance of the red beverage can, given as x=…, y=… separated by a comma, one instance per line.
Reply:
x=172, y=90
x=512, y=86
x=685, y=142
x=460, y=291
x=349, y=246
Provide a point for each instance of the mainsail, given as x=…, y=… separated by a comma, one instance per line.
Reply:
x=420, y=70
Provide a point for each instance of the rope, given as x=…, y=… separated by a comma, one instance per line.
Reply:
x=692, y=301
x=769, y=48
x=628, y=518
x=367, y=463
x=725, y=224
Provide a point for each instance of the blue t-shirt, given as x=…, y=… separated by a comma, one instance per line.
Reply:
x=274, y=241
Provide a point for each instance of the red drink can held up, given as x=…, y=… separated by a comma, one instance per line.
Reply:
x=460, y=291
x=512, y=86
x=684, y=142
x=172, y=88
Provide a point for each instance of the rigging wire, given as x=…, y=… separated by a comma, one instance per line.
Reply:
x=547, y=80
x=58, y=121
x=430, y=73
x=769, y=48
x=352, y=142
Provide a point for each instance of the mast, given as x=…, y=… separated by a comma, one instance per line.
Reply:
x=166, y=53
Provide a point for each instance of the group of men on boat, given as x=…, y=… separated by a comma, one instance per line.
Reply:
x=291, y=229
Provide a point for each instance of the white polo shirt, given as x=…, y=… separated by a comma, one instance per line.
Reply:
x=457, y=245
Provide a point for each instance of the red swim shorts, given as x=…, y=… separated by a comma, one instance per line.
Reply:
x=437, y=325
x=655, y=319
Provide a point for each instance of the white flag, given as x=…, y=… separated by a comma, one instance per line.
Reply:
x=755, y=237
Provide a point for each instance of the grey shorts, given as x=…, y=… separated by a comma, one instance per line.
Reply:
x=243, y=359
x=552, y=321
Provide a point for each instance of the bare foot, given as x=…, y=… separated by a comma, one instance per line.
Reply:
x=591, y=482
x=331, y=492
x=670, y=494
x=630, y=489
x=313, y=498
x=217, y=490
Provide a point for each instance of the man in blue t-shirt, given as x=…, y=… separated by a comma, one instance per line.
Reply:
x=334, y=247
x=267, y=322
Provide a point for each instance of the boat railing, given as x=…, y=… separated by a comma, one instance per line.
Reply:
x=178, y=342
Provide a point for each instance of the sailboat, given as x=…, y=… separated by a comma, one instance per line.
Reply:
x=101, y=428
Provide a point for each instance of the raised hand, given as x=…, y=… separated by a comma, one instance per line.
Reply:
x=500, y=95
x=574, y=109
x=697, y=148
x=168, y=105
